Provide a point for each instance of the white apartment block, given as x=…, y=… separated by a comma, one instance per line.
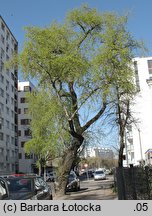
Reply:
x=104, y=153
x=139, y=137
x=8, y=102
x=26, y=162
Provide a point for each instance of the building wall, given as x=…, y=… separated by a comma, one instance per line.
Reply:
x=141, y=133
x=26, y=162
x=8, y=102
x=104, y=153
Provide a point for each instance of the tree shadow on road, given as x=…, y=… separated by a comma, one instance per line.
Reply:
x=93, y=194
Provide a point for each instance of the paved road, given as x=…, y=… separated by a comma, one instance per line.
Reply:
x=91, y=190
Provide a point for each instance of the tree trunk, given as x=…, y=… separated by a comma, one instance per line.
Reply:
x=122, y=145
x=67, y=163
x=44, y=173
x=39, y=164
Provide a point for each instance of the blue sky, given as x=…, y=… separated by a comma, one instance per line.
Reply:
x=20, y=13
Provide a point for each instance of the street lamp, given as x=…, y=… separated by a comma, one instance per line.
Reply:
x=141, y=154
x=126, y=148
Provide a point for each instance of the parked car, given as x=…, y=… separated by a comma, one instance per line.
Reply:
x=27, y=188
x=99, y=175
x=107, y=171
x=50, y=177
x=88, y=173
x=4, y=192
x=73, y=182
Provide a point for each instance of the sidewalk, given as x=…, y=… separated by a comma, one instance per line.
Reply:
x=102, y=194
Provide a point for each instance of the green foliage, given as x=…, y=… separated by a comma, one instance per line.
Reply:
x=78, y=66
x=47, y=137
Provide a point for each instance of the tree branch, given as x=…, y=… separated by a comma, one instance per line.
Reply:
x=95, y=118
x=86, y=33
x=74, y=106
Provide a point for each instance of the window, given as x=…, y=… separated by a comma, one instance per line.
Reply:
x=7, y=36
x=25, y=121
x=7, y=110
x=1, y=92
x=12, y=88
x=20, y=155
x=16, y=142
x=12, y=101
x=27, y=132
x=1, y=107
x=1, y=152
x=19, y=111
x=25, y=110
x=23, y=100
x=12, y=40
x=12, y=76
x=28, y=156
x=7, y=139
x=1, y=78
x=2, y=53
x=2, y=39
x=7, y=98
x=150, y=67
x=1, y=136
x=7, y=47
x=7, y=58
x=1, y=65
x=7, y=124
x=12, y=114
x=7, y=72
x=13, y=127
x=15, y=47
x=12, y=140
x=22, y=144
x=27, y=88
x=1, y=123
x=3, y=26
x=7, y=85
x=19, y=133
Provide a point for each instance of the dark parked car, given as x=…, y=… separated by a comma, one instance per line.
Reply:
x=73, y=182
x=4, y=193
x=27, y=188
x=51, y=176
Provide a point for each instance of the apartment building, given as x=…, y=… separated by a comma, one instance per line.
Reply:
x=8, y=102
x=26, y=162
x=104, y=153
x=139, y=135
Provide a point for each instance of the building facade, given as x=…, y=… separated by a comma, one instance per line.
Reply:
x=8, y=102
x=104, y=153
x=139, y=135
x=26, y=162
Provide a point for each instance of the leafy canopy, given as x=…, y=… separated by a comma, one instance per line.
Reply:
x=78, y=65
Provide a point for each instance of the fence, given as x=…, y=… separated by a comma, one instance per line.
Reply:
x=134, y=183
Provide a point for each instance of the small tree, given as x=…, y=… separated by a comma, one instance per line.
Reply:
x=46, y=139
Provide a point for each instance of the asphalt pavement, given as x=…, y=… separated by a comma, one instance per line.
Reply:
x=90, y=190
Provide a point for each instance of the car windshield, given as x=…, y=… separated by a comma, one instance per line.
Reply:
x=16, y=185
x=99, y=172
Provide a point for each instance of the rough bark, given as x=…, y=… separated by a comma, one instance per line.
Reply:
x=67, y=162
x=122, y=144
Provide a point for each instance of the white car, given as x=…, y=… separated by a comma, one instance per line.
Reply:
x=99, y=175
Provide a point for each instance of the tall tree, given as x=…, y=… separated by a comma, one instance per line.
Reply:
x=78, y=64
